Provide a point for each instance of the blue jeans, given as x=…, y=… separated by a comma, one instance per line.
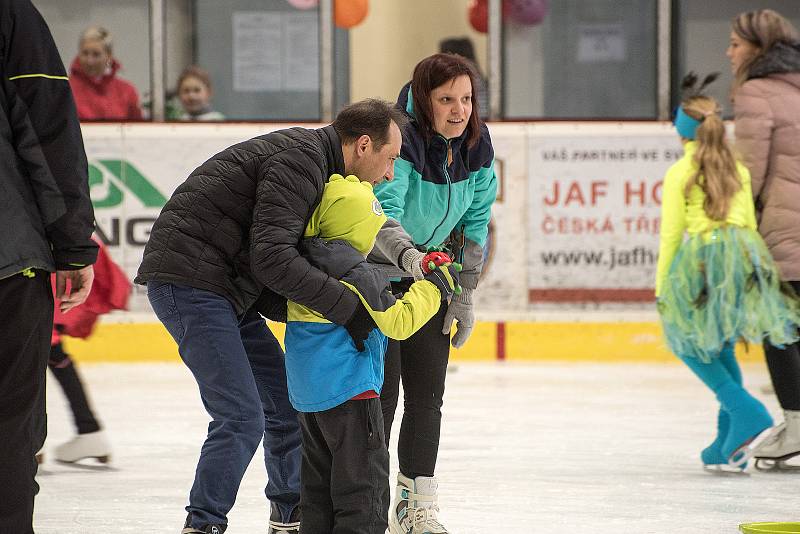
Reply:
x=239, y=367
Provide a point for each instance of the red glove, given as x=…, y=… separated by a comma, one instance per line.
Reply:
x=432, y=260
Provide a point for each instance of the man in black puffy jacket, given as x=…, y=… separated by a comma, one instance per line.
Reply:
x=223, y=249
x=47, y=220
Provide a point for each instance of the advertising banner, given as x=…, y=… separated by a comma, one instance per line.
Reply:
x=594, y=209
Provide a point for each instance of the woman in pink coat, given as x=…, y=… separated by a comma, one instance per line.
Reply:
x=764, y=52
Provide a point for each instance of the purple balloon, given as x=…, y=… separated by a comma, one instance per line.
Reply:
x=528, y=12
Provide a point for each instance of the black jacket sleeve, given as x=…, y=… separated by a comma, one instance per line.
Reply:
x=46, y=132
x=290, y=187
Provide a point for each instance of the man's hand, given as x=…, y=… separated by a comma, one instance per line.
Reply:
x=411, y=262
x=80, y=285
x=359, y=326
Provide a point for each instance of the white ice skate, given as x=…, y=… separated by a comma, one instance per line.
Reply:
x=782, y=444
x=92, y=445
x=415, y=507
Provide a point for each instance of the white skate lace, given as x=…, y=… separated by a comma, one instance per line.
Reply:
x=426, y=517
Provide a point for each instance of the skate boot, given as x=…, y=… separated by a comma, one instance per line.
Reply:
x=782, y=444
x=712, y=457
x=415, y=507
x=91, y=445
x=278, y=526
x=205, y=529
x=749, y=420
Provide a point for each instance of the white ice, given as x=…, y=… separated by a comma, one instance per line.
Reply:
x=525, y=448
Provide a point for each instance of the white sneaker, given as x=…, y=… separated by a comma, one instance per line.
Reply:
x=91, y=445
x=415, y=507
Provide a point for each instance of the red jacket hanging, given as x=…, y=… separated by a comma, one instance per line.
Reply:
x=110, y=291
x=104, y=98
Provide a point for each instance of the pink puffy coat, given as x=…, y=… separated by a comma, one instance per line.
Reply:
x=767, y=115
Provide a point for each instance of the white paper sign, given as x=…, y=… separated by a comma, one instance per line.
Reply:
x=601, y=43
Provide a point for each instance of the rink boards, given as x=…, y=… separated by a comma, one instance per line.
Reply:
x=574, y=231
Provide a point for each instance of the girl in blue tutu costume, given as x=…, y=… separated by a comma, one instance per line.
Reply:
x=720, y=284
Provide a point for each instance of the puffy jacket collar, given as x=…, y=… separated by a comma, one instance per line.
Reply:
x=333, y=150
x=111, y=73
x=781, y=58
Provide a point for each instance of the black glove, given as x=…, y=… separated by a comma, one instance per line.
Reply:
x=360, y=325
x=446, y=278
x=271, y=306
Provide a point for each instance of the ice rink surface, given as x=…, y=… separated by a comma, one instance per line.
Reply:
x=526, y=448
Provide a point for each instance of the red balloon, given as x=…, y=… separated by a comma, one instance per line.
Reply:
x=478, y=14
x=528, y=12
x=349, y=13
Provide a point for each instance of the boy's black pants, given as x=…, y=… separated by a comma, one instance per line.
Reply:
x=25, y=328
x=345, y=473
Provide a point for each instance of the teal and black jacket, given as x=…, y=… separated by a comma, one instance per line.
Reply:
x=431, y=199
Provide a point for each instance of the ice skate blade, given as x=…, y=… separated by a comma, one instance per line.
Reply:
x=724, y=470
x=103, y=463
x=742, y=455
x=777, y=465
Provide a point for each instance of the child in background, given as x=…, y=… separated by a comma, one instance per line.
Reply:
x=194, y=91
x=334, y=384
x=721, y=284
x=110, y=291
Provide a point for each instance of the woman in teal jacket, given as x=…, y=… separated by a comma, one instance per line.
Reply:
x=441, y=196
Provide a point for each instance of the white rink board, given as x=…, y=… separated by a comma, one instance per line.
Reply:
x=529, y=223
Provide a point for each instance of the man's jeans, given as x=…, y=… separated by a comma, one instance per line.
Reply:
x=239, y=367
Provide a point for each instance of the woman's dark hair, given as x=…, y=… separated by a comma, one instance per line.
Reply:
x=432, y=72
x=370, y=117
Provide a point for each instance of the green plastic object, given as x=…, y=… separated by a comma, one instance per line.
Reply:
x=767, y=528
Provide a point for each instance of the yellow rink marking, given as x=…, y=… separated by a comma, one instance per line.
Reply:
x=514, y=341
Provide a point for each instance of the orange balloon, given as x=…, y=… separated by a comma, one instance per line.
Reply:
x=349, y=13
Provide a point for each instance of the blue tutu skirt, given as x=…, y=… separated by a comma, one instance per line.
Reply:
x=724, y=286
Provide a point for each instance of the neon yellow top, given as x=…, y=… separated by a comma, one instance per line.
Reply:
x=680, y=214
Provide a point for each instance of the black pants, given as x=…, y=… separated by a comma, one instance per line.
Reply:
x=344, y=481
x=784, y=368
x=25, y=329
x=421, y=361
x=67, y=375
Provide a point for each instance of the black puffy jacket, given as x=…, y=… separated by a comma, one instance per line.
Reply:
x=234, y=225
x=46, y=216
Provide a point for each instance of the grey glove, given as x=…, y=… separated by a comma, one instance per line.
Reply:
x=460, y=310
x=411, y=262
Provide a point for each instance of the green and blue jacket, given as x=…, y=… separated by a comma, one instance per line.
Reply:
x=430, y=200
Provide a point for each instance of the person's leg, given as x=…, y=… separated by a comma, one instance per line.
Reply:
x=748, y=417
x=25, y=331
x=359, y=477
x=315, y=503
x=784, y=369
x=391, y=385
x=423, y=370
x=67, y=376
x=282, y=436
x=206, y=329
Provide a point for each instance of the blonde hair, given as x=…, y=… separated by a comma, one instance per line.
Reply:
x=716, y=174
x=762, y=28
x=97, y=33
